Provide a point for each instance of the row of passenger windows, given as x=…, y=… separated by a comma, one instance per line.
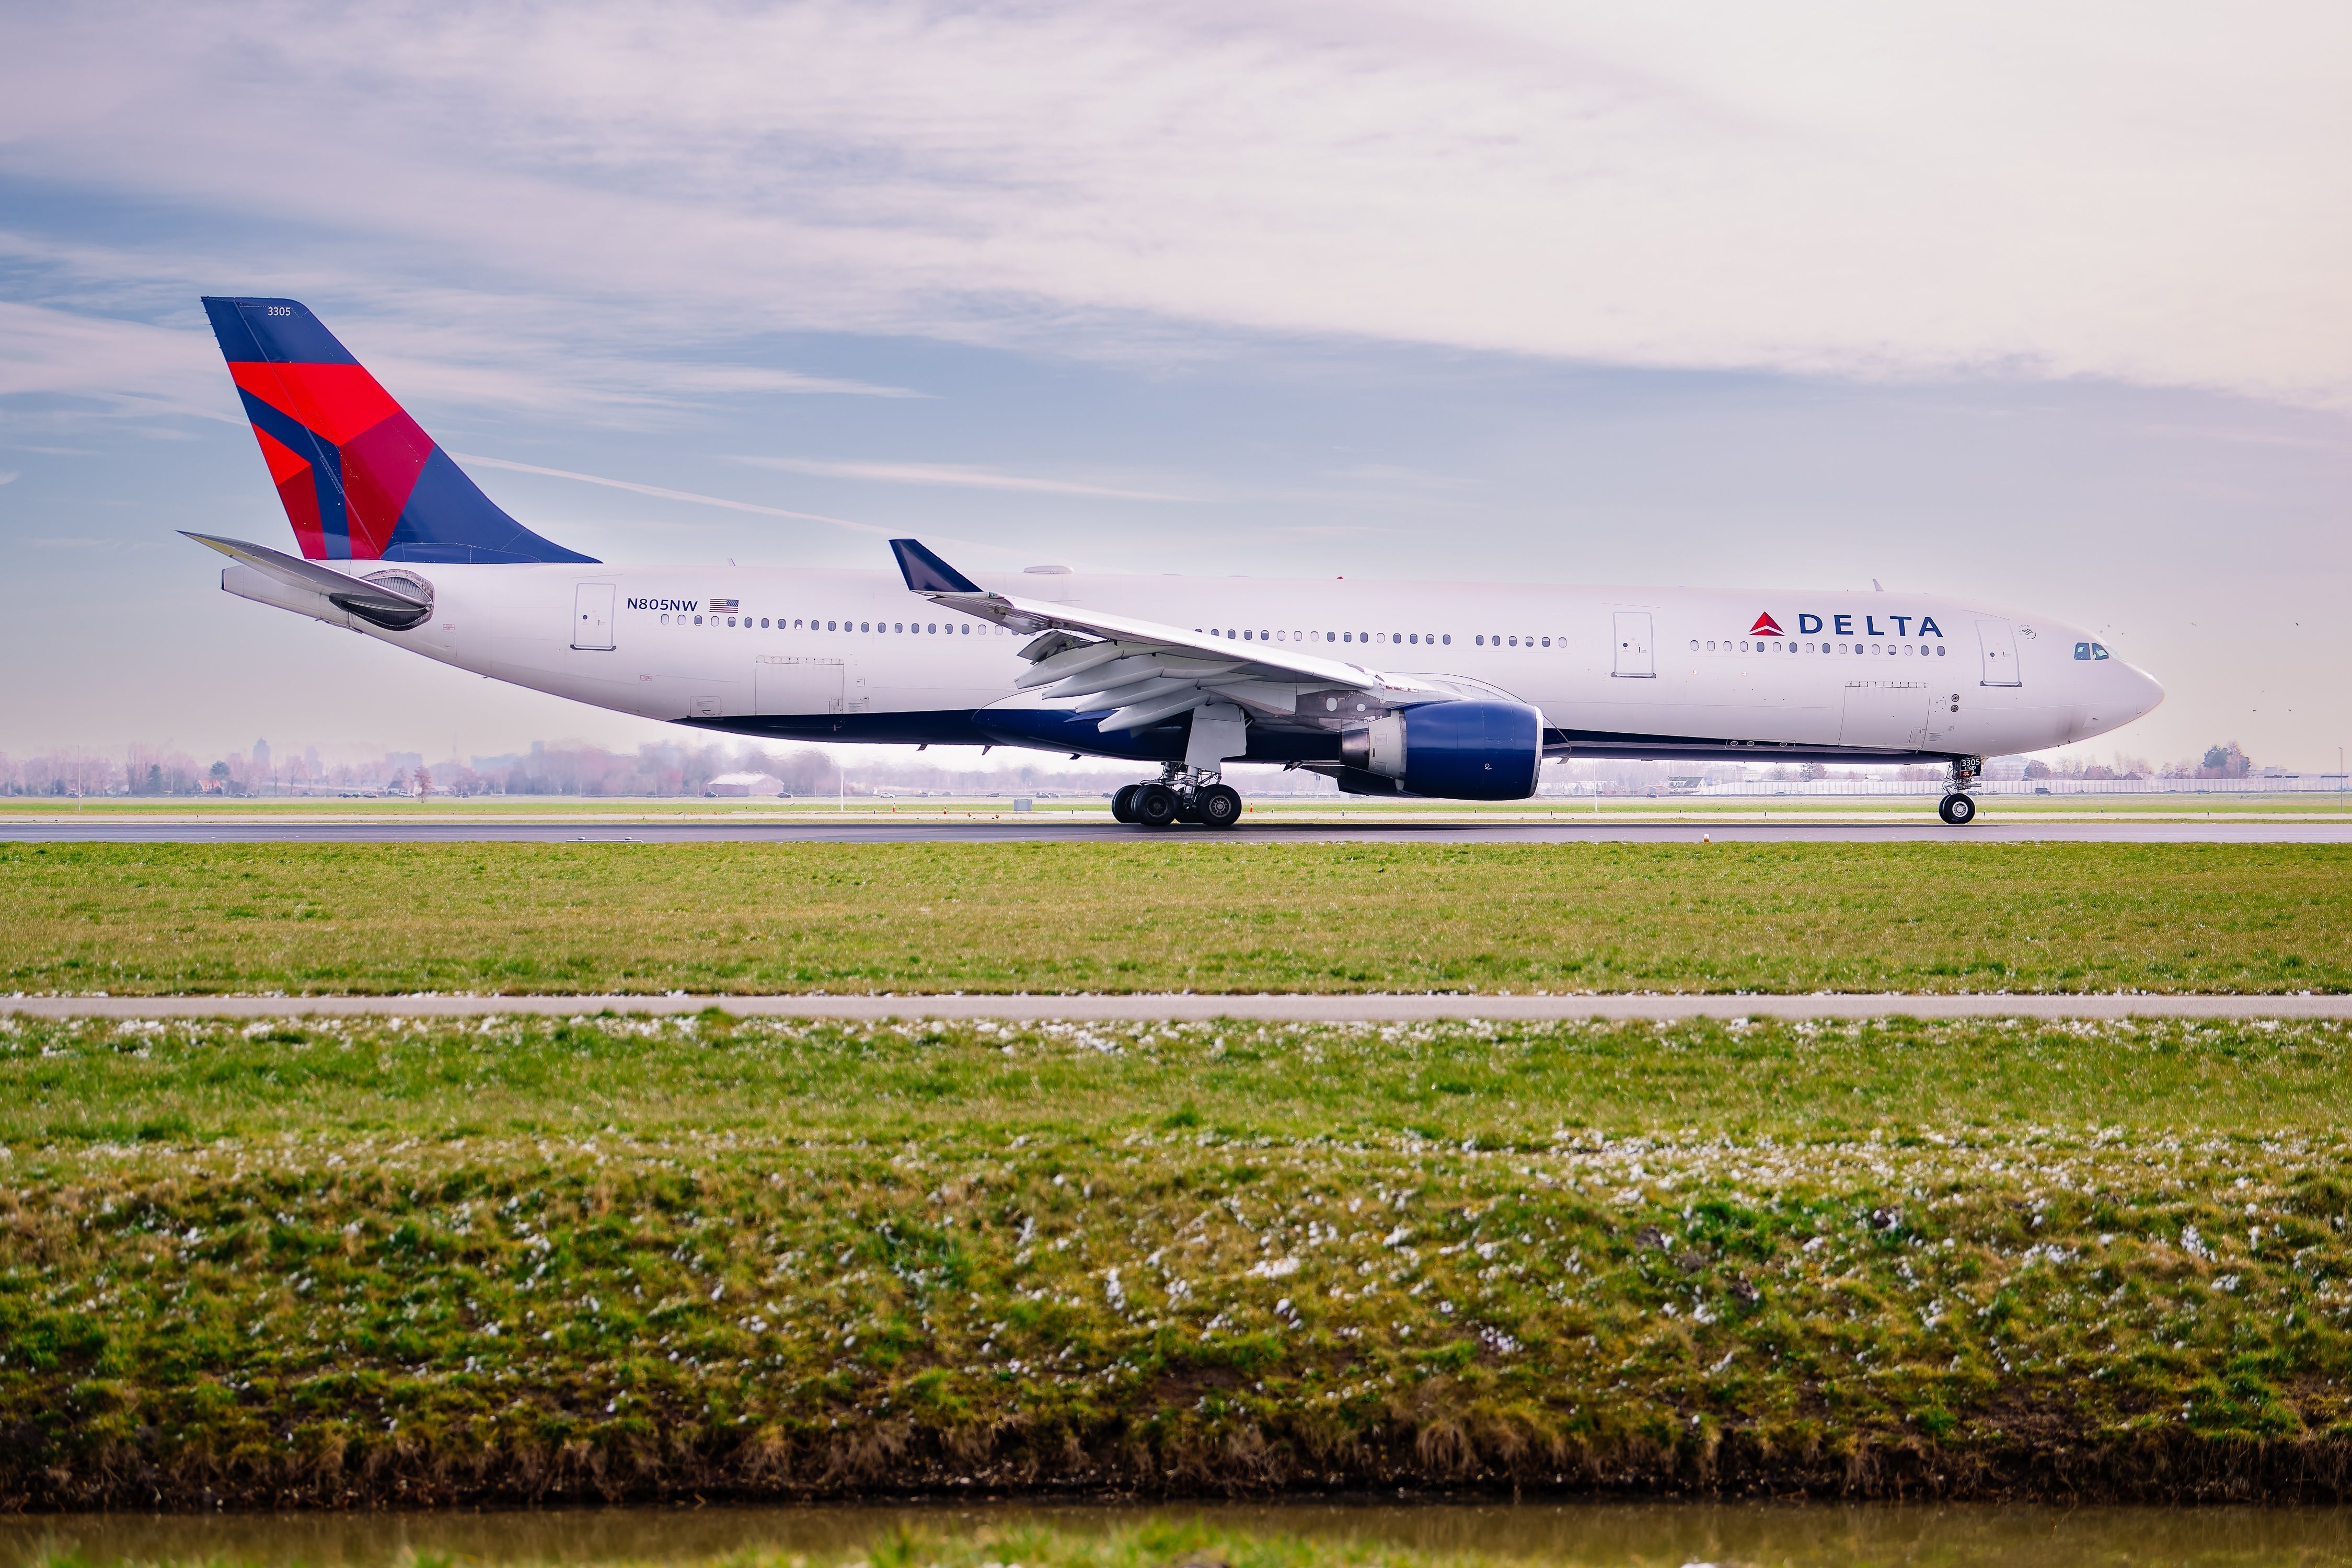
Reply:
x=1890, y=649
x=1433, y=639
x=932, y=629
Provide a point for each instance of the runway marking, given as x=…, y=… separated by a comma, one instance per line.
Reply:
x=1179, y=1008
x=654, y=833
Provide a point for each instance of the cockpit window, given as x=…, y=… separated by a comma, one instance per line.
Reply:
x=2082, y=650
x=2098, y=650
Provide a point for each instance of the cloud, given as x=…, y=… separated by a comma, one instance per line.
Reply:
x=723, y=502
x=953, y=474
x=129, y=364
x=7, y=476
x=1837, y=188
x=663, y=494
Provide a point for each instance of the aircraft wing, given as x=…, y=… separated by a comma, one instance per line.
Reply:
x=1146, y=671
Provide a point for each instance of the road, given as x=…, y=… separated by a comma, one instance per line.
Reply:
x=1265, y=831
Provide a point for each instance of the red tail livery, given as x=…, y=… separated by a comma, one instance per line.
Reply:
x=361, y=480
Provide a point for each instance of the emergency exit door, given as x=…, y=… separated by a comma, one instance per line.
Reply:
x=592, y=615
x=1636, y=659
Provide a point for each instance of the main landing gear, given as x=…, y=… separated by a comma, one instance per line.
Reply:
x=1959, y=808
x=1179, y=795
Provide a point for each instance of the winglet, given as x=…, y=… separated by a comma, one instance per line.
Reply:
x=926, y=572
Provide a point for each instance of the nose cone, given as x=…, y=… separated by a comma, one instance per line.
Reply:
x=2143, y=693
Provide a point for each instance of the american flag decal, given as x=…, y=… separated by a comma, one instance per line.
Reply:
x=724, y=606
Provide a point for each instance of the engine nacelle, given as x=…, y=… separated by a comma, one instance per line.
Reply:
x=1462, y=751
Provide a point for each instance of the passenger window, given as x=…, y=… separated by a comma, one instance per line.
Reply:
x=1449, y=639
x=1547, y=642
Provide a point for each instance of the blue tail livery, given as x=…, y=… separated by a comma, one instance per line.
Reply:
x=360, y=479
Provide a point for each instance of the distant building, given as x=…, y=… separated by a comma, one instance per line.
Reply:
x=744, y=785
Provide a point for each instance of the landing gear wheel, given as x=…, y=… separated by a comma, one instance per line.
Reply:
x=1122, y=805
x=1156, y=806
x=1219, y=806
x=1957, y=809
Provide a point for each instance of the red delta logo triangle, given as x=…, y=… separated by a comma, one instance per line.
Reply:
x=1766, y=627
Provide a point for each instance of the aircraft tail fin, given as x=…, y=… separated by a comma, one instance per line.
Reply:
x=361, y=480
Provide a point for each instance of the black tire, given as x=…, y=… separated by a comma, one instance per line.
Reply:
x=1957, y=809
x=1219, y=806
x=1156, y=806
x=1122, y=805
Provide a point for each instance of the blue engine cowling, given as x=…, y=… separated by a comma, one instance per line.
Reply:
x=1462, y=750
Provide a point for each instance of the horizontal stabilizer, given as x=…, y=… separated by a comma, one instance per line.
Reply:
x=387, y=604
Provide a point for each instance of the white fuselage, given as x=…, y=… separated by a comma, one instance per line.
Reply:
x=852, y=655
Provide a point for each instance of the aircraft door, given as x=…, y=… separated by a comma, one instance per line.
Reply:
x=1636, y=659
x=796, y=686
x=1890, y=714
x=592, y=615
x=2000, y=645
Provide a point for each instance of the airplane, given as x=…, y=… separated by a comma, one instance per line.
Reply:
x=1435, y=690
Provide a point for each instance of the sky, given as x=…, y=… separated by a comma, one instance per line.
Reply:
x=2050, y=305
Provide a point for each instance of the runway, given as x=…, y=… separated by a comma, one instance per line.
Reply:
x=1156, y=1008
x=1269, y=831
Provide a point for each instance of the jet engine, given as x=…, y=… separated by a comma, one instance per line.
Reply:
x=1462, y=750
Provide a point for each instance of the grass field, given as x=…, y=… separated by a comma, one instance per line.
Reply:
x=377, y=1261
x=1583, y=1533
x=1173, y=915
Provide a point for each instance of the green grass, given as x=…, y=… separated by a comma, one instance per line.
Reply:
x=1150, y=1542
x=1173, y=916
x=371, y=1261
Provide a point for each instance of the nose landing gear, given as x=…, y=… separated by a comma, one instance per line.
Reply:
x=1179, y=795
x=1959, y=808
